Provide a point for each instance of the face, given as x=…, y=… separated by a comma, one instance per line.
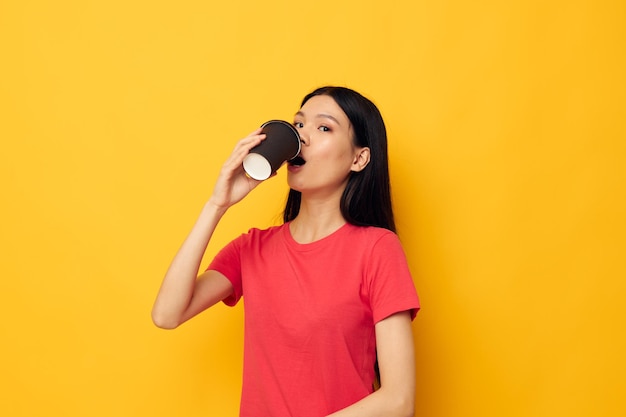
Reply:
x=328, y=152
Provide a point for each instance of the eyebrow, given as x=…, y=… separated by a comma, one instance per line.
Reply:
x=322, y=115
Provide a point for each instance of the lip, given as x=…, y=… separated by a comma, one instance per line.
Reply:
x=294, y=168
x=297, y=161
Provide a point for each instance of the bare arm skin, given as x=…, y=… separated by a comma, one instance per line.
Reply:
x=183, y=294
x=396, y=361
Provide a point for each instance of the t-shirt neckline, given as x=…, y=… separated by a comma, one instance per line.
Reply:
x=311, y=245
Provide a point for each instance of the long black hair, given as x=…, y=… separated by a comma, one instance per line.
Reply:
x=366, y=200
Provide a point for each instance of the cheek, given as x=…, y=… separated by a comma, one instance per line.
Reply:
x=341, y=154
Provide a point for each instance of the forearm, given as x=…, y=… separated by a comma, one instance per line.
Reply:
x=380, y=403
x=179, y=282
x=396, y=361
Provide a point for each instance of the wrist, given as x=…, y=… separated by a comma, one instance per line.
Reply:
x=213, y=208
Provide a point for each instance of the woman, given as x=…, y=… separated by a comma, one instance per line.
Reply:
x=328, y=293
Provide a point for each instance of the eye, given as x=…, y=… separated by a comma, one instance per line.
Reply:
x=299, y=125
x=324, y=128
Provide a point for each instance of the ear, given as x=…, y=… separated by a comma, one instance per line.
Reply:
x=361, y=159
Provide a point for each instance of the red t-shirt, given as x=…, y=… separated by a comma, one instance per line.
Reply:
x=310, y=311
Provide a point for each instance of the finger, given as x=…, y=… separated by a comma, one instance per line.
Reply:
x=242, y=149
x=256, y=131
x=250, y=141
x=247, y=143
x=244, y=145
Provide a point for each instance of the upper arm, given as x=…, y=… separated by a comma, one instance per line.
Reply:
x=396, y=358
x=211, y=287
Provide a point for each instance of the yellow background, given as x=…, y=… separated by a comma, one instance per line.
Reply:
x=507, y=130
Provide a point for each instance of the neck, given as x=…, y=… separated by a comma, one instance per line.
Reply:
x=317, y=218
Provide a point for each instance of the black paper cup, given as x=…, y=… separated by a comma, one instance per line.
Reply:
x=281, y=144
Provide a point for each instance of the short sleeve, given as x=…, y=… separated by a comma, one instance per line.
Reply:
x=228, y=263
x=391, y=287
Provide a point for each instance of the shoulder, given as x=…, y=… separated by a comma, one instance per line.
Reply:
x=250, y=242
x=257, y=236
x=264, y=232
x=378, y=246
x=372, y=236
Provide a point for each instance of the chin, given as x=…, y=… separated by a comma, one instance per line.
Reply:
x=294, y=186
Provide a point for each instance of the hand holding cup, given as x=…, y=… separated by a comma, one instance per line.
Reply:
x=281, y=144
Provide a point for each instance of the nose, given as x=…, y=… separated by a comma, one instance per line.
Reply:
x=304, y=136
